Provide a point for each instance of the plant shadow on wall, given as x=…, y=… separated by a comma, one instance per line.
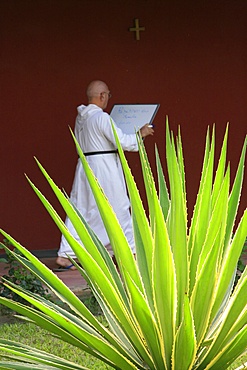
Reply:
x=174, y=306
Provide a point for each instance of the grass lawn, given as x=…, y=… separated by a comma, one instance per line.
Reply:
x=30, y=334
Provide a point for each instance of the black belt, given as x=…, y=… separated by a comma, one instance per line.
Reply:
x=101, y=152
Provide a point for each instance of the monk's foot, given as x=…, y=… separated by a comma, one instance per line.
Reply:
x=65, y=262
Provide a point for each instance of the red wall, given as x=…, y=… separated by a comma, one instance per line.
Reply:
x=191, y=59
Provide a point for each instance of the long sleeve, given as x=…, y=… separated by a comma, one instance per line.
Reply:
x=127, y=141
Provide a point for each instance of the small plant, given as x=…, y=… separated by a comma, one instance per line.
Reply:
x=20, y=276
x=92, y=304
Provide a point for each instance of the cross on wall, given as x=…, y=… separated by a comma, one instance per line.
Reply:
x=137, y=29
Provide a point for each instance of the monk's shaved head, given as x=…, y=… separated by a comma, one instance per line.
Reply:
x=95, y=88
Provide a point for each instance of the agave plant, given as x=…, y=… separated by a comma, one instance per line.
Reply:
x=173, y=306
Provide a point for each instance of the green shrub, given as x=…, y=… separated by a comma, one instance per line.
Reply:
x=19, y=275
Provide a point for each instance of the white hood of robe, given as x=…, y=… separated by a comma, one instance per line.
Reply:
x=84, y=112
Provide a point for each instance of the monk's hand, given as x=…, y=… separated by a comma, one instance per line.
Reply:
x=146, y=130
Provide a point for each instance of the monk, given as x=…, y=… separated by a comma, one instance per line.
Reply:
x=94, y=133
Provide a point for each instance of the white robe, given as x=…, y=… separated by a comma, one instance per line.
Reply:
x=94, y=133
